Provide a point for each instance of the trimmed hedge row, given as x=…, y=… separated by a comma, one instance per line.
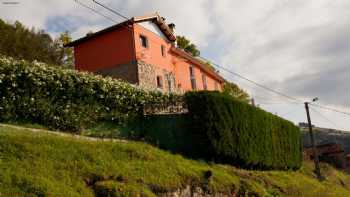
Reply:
x=167, y=131
x=68, y=100
x=230, y=131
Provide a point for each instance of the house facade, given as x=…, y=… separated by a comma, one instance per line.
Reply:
x=142, y=51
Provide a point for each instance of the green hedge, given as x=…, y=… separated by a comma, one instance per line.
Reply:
x=68, y=100
x=227, y=130
x=167, y=131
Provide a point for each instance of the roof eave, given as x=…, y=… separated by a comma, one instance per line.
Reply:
x=158, y=21
x=88, y=37
x=198, y=62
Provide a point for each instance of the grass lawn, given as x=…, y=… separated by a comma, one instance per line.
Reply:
x=42, y=164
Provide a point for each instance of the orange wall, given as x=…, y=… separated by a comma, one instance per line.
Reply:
x=117, y=47
x=171, y=62
x=152, y=54
x=211, y=84
x=105, y=51
x=182, y=73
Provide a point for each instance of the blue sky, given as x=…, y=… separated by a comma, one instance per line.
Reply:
x=298, y=47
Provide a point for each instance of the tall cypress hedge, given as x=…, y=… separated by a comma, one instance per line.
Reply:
x=227, y=130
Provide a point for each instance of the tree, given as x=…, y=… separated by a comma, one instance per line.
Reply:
x=236, y=92
x=30, y=44
x=64, y=54
x=183, y=43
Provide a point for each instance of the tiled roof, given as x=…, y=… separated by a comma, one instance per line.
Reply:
x=153, y=17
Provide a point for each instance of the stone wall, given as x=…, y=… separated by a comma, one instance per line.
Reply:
x=148, y=78
x=144, y=75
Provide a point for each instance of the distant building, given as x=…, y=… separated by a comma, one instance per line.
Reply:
x=142, y=51
x=332, y=153
x=304, y=125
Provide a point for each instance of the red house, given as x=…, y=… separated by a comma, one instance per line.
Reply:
x=142, y=51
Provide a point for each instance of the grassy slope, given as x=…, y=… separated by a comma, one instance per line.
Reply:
x=46, y=164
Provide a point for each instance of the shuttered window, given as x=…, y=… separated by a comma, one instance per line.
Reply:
x=204, y=80
x=193, y=78
x=159, y=82
x=162, y=50
x=144, y=41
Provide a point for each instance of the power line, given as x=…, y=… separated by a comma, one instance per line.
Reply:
x=254, y=82
x=114, y=21
x=272, y=103
x=330, y=121
x=95, y=11
x=263, y=98
x=330, y=109
x=267, y=103
x=275, y=91
x=272, y=100
x=325, y=118
x=99, y=13
x=289, y=112
x=110, y=9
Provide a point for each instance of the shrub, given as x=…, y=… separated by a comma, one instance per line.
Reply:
x=68, y=100
x=228, y=130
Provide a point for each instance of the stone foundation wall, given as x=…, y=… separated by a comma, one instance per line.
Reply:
x=148, y=78
x=144, y=75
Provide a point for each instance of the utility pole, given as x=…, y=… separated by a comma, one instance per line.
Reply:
x=253, y=102
x=312, y=140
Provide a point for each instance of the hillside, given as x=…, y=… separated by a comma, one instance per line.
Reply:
x=46, y=164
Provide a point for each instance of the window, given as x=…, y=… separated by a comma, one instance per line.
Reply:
x=193, y=78
x=168, y=78
x=162, y=49
x=159, y=82
x=144, y=41
x=193, y=84
x=216, y=86
x=191, y=71
x=204, y=80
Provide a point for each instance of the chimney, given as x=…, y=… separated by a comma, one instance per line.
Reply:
x=89, y=33
x=172, y=27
